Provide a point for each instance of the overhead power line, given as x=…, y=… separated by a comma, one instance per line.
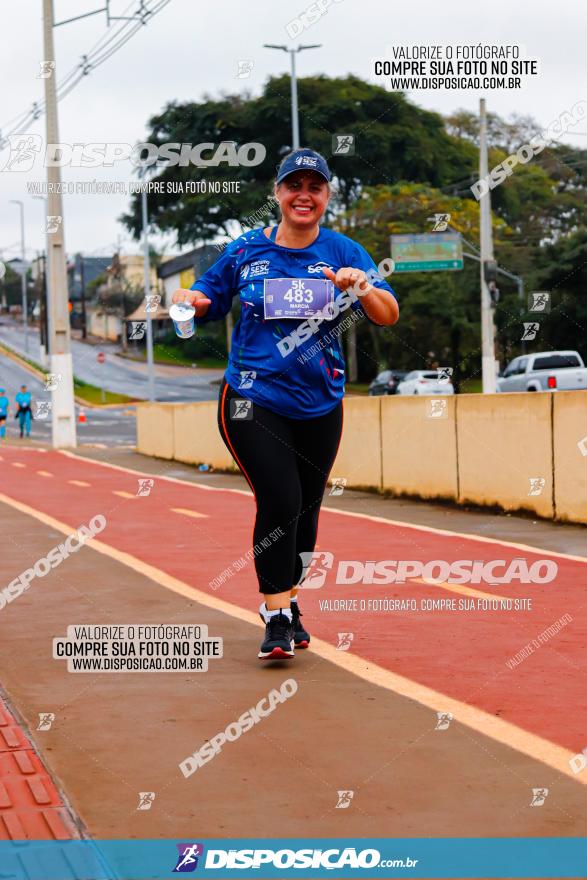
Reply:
x=101, y=51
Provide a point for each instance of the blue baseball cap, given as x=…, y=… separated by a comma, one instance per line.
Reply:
x=304, y=160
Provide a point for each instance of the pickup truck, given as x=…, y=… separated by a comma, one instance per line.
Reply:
x=544, y=371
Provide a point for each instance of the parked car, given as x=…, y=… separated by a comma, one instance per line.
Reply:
x=544, y=371
x=424, y=382
x=386, y=382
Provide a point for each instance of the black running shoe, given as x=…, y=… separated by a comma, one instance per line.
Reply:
x=301, y=636
x=279, y=639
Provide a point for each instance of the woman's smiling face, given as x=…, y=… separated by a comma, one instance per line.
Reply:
x=303, y=197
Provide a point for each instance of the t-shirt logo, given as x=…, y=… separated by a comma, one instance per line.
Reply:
x=259, y=267
x=316, y=268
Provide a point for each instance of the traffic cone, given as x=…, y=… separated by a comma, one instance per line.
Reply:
x=82, y=416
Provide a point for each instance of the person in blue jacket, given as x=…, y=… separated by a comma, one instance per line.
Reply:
x=24, y=412
x=280, y=414
x=4, y=407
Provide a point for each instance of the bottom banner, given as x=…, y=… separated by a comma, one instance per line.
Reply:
x=367, y=858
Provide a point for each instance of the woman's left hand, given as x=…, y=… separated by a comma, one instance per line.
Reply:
x=349, y=277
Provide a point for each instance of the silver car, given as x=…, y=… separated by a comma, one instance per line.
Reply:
x=544, y=371
x=425, y=382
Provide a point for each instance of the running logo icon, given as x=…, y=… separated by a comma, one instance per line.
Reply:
x=52, y=380
x=247, y=378
x=539, y=301
x=137, y=330
x=42, y=409
x=539, y=795
x=23, y=151
x=146, y=799
x=314, y=568
x=530, y=331
x=344, y=800
x=46, y=719
x=241, y=409
x=145, y=486
x=47, y=68
x=436, y=408
x=343, y=144
x=189, y=854
x=444, y=719
x=53, y=223
x=537, y=484
x=338, y=484
x=444, y=375
x=440, y=221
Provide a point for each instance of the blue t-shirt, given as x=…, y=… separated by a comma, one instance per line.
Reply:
x=3, y=404
x=300, y=379
x=23, y=398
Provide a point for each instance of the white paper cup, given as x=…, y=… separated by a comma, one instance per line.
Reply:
x=182, y=315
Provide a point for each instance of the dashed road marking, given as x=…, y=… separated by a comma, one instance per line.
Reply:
x=187, y=512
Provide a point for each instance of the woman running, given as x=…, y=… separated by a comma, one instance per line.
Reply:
x=280, y=405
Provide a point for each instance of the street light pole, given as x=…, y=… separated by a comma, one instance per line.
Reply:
x=25, y=320
x=295, y=125
x=295, y=122
x=147, y=271
x=63, y=408
x=486, y=239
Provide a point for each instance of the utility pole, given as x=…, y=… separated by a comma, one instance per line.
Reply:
x=44, y=347
x=487, y=259
x=295, y=125
x=147, y=271
x=43, y=314
x=83, y=297
x=63, y=408
x=25, y=319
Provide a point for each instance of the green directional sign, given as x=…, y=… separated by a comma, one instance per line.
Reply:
x=429, y=252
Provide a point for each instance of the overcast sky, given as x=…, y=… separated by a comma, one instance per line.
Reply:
x=192, y=47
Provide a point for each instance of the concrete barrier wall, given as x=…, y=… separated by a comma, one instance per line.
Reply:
x=570, y=455
x=155, y=429
x=504, y=443
x=484, y=449
x=419, y=449
x=359, y=453
x=197, y=440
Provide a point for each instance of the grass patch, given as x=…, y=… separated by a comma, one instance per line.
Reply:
x=96, y=396
x=177, y=356
x=357, y=387
x=471, y=386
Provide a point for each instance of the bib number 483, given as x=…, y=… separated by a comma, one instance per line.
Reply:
x=298, y=293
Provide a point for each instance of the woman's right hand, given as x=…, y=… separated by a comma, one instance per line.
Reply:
x=195, y=298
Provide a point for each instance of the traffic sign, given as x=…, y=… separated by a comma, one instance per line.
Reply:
x=428, y=252
x=101, y=357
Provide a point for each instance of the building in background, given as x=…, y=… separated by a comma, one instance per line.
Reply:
x=182, y=271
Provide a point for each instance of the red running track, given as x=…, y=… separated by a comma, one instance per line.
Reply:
x=460, y=654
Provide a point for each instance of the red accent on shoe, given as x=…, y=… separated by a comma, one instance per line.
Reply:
x=277, y=654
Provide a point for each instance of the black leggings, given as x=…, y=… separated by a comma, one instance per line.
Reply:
x=286, y=462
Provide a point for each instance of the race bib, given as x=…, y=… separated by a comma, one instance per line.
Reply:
x=296, y=297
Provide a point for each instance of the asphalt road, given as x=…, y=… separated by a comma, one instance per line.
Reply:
x=108, y=427
x=117, y=374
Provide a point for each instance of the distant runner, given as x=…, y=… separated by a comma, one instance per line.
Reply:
x=24, y=412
